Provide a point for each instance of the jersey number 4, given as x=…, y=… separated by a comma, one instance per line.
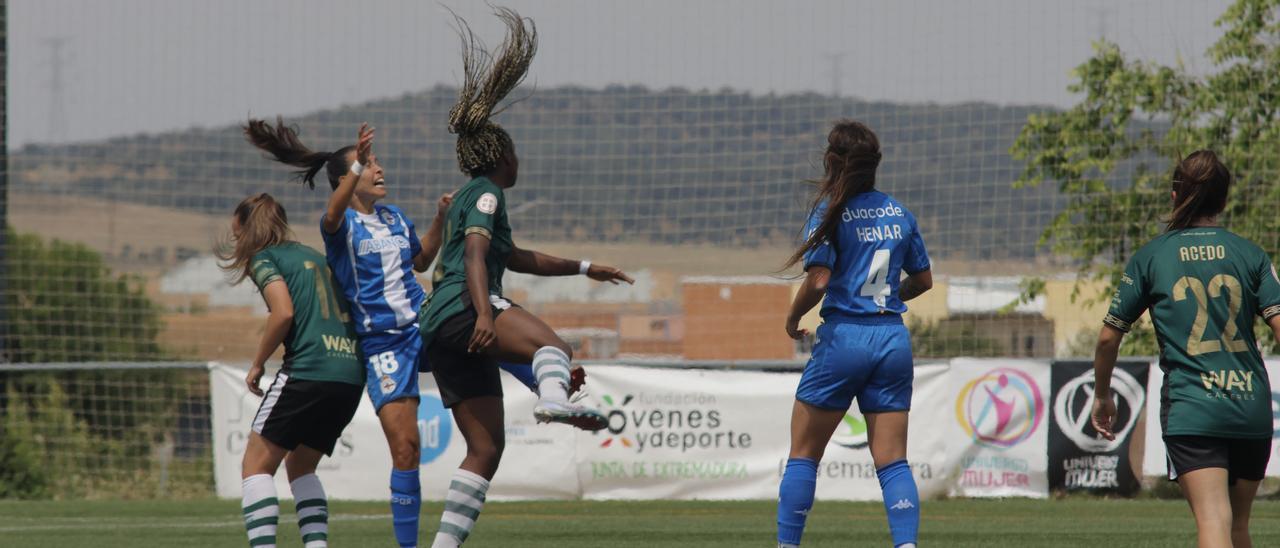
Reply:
x=877, y=284
x=1196, y=345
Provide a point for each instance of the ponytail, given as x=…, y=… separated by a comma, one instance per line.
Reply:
x=281, y=144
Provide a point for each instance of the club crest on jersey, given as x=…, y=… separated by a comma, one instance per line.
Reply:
x=487, y=204
x=388, y=218
x=387, y=384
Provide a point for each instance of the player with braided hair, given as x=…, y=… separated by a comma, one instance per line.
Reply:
x=467, y=325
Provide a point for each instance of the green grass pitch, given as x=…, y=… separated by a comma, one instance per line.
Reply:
x=958, y=523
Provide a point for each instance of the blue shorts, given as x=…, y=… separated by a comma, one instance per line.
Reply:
x=852, y=360
x=391, y=362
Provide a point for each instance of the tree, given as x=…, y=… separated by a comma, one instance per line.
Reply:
x=62, y=303
x=1112, y=153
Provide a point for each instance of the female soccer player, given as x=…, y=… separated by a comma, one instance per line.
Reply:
x=372, y=250
x=857, y=242
x=1204, y=286
x=316, y=392
x=467, y=325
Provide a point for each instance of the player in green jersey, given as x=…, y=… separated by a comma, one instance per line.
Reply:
x=316, y=391
x=468, y=327
x=1204, y=288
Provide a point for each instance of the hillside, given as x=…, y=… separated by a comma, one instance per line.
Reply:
x=619, y=165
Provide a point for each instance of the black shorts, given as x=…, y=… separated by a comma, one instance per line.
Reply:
x=300, y=412
x=463, y=375
x=1242, y=458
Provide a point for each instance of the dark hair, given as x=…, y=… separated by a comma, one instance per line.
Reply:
x=1200, y=182
x=849, y=164
x=282, y=145
x=487, y=79
x=263, y=223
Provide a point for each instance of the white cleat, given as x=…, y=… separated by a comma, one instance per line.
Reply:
x=573, y=414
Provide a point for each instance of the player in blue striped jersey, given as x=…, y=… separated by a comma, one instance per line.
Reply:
x=858, y=243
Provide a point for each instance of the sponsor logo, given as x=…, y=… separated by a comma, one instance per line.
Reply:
x=851, y=433
x=1073, y=408
x=871, y=213
x=402, y=501
x=435, y=428
x=487, y=203
x=902, y=504
x=669, y=436
x=334, y=343
x=674, y=421
x=1001, y=408
x=378, y=245
x=1228, y=384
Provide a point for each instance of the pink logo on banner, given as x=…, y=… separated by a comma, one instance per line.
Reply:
x=1001, y=408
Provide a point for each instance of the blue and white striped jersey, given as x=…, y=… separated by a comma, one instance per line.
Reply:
x=876, y=240
x=371, y=257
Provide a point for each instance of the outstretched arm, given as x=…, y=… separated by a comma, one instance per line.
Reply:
x=434, y=238
x=528, y=261
x=336, y=210
x=810, y=294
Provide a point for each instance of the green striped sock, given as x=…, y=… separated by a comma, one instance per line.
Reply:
x=461, y=509
x=551, y=368
x=261, y=510
x=313, y=511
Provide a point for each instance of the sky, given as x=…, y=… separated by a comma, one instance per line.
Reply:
x=145, y=66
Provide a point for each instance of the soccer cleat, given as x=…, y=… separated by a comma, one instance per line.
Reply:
x=577, y=378
x=573, y=414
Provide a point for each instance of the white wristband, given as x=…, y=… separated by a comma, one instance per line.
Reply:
x=583, y=266
x=356, y=168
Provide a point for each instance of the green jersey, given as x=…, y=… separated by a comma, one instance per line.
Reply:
x=321, y=344
x=1204, y=287
x=479, y=207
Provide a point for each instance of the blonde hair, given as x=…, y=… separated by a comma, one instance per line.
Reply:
x=263, y=223
x=487, y=79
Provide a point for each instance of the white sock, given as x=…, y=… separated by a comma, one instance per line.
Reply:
x=461, y=509
x=551, y=368
x=313, y=511
x=261, y=510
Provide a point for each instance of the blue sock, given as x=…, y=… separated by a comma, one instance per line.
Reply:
x=522, y=373
x=795, y=498
x=405, y=506
x=901, y=501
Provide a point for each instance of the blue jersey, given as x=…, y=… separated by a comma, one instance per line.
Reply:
x=371, y=257
x=876, y=240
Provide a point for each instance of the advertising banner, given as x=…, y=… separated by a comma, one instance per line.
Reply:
x=538, y=463
x=979, y=428
x=1080, y=459
x=699, y=434
x=997, y=434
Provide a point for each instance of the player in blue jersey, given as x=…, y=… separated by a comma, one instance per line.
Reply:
x=858, y=243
